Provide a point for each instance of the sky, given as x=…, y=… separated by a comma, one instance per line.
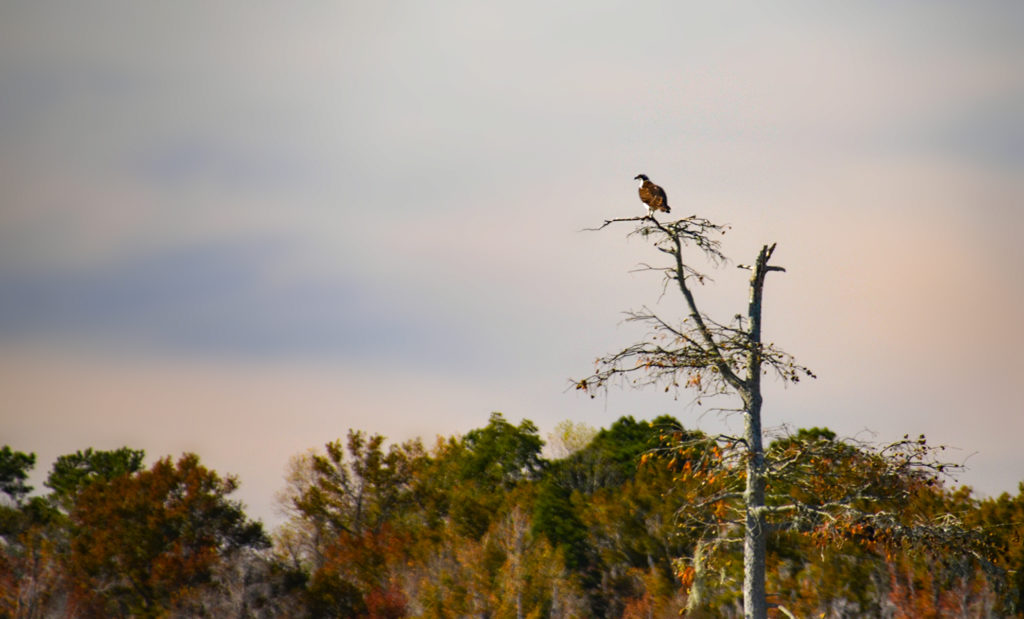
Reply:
x=243, y=228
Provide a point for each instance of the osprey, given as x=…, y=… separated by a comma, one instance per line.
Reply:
x=652, y=195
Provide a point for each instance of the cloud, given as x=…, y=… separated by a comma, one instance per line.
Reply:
x=395, y=193
x=219, y=300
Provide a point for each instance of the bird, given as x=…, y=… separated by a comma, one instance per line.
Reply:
x=652, y=195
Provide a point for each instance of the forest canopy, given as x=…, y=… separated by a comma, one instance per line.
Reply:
x=498, y=522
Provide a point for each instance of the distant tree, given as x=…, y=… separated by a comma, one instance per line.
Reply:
x=144, y=543
x=608, y=460
x=113, y=539
x=641, y=522
x=71, y=473
x=27, y=577
x=488, y=463
x=353, y=513
x=14, y=471
x=37, y=530
x=14, y=468
x=354, y=487
x=568, y=438
x=502, y=453
x=388, y=530
x=612, y=519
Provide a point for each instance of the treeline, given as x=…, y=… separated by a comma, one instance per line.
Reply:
x=483, y=525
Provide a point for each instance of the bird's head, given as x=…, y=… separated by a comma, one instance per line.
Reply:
x=641, y=177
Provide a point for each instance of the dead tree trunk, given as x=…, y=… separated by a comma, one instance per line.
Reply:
x=755, y=531
x=713, y=357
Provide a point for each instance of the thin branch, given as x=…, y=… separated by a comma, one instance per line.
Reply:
x=608, y=222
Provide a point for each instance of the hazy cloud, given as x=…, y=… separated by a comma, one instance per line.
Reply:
x=392, y=194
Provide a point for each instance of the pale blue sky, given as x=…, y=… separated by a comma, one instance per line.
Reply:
x=243, y=228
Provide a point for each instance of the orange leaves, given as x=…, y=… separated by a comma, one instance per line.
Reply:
x=720, y=510
x=693, y=380
x=365, y=559
x=686, y=576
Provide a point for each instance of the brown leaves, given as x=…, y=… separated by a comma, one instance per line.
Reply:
x=146, y=541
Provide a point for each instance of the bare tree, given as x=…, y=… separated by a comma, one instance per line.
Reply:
x=808, y=495
x=712, y=357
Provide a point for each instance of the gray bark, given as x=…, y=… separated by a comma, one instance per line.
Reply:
x=754, y=547
x=754, y=537
x=735, y=358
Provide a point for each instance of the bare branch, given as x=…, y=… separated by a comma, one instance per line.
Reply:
x=609, y=222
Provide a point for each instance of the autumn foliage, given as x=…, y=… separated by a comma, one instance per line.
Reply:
x=635, y=520
x=142, y=543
